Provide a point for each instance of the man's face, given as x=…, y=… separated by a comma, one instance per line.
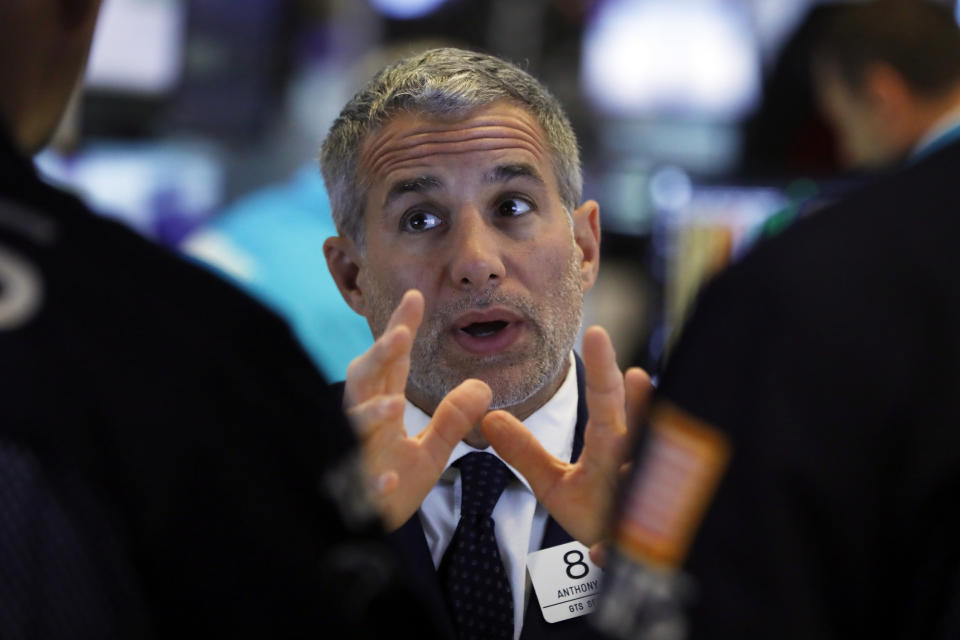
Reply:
x=469, y=213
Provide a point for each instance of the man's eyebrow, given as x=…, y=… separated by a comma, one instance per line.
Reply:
x=419, y=184
x=506, y=172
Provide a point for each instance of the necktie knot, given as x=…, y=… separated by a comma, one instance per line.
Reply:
x=483, y=477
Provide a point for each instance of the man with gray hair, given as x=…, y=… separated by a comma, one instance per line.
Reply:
x=455, y=184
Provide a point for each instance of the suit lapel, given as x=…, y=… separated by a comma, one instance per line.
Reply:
x=534, y=626
x=415, y=556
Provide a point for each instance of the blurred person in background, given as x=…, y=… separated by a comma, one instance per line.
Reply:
x=887, y=77
x=171, y=463
x=801, y=474
x=455, y=183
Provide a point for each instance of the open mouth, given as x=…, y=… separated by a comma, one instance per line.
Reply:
x=484, y=329
x=485, y=332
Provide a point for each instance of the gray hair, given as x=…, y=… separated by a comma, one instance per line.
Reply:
x=443, y=83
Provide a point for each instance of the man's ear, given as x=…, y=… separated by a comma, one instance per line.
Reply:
x=888, y=93
x=586, y=233
x=344, y=262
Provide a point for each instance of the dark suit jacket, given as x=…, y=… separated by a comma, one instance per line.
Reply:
x=830, y=356
x=410, y=541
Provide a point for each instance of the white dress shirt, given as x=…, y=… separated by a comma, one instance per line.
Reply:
x=519, y=521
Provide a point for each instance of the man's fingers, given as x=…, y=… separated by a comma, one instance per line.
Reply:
x=598, y=554
x=384, y=367
x=409, y=313
x=520, y=449
x=385, y=484
x=375, y=372
x=605, y=393
x=371, y=415
x=460, y=411
x=637, y=388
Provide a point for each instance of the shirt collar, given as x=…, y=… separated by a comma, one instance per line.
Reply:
x=943, y=130
x=553, y=424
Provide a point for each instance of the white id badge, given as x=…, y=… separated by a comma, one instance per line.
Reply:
x=566, y=582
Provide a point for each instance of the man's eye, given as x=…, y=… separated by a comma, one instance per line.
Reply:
x=417, y=221
x=513, y=207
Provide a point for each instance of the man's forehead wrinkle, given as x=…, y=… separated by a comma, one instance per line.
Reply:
x=482, y=123
x=468, y=141
x=387, y=133
x=374, y=143
x=389, y=142
x=465, y=134
x=415, y=158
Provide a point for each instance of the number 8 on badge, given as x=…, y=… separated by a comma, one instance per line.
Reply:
x=582, y=567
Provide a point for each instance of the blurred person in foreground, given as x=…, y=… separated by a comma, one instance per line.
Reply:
x=171, y=464
x=802, y=472
x=455, y=184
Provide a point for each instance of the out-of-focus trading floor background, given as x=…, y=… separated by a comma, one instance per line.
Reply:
x=199, y=122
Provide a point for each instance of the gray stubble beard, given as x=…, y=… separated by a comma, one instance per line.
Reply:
x=555, y=326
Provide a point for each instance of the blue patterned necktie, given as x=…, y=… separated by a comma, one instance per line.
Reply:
x=472, y=576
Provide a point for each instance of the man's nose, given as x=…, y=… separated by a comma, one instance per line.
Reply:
x=476, y=253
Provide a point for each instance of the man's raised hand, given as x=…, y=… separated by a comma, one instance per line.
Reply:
x=579, y=495
x=404, y=469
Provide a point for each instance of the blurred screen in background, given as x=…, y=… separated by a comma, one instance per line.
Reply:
x=138, y=47
x=661, y=58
